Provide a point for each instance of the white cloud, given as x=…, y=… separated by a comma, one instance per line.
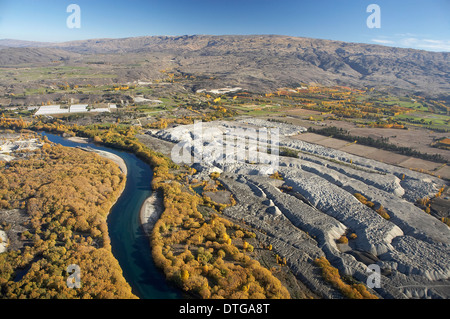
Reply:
x=435, y=45
x=432, y=41
x=383, y=41
x=409, y=41
x=402, y=35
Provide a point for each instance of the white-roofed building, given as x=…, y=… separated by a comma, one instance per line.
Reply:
x=51, y=109
x=78, y=108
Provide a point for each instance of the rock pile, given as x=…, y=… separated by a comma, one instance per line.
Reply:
x=319, y=206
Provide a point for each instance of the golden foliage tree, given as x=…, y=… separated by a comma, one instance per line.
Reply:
x=67, y=195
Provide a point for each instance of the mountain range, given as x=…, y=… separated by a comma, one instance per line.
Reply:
x=253, y=62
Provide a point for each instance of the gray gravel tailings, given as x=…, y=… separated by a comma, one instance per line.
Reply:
x=412, y=248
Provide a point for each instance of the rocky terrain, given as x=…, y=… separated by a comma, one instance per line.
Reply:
x=13, y=144
x=257, y=63
x=306, y=210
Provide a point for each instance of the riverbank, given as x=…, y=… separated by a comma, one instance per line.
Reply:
x=151, y=210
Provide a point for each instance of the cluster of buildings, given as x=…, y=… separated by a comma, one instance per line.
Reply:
x=76, y=108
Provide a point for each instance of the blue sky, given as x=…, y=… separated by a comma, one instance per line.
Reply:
x=404, y=23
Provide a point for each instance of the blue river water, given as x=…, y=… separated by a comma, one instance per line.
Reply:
x=129, y=244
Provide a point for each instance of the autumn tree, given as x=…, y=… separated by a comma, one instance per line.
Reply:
x=67, y=195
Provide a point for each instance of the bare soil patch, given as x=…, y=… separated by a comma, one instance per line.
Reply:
x=420, y=164
x=14, y=222
x=360, y=150
x=333, y=143
x=444, y=172
x=156, y=144
x=311, y=137
x=220, y=197
x=388, y=157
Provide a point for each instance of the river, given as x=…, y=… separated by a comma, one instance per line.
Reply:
x=130, y=246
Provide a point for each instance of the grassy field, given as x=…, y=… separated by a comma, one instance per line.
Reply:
x=425, y=119
x=369, y=107
x=408, y=104
x=57, y=73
